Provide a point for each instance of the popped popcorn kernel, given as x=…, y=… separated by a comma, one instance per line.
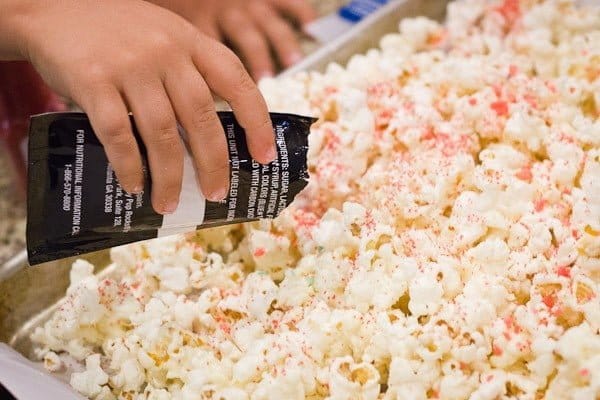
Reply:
x=446, y=247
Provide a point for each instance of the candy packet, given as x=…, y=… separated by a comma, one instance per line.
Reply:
x=75, y=203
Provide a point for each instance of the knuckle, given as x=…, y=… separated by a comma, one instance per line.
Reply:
x=254, y=43
x=197, y=37
x=285, y=32
x=117, y=134
x=236, y=18
x=203, y=114
x=259, y=10
x=226, y=54
x=255, y=7
x=128, y=61
x=215, y=169
x=189, y=31
x=161, y=42
x=170, y=184
x=95, y=72
x=165, y=135
x=170, y=187
x=263, y=122
x=244, y=82
x=128, y=176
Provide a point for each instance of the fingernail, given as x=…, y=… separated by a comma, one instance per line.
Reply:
x=263, y=74
x=218, y=194
x=305, y=29
x=295, y=58
x=271, y=154
x=137, y=189
x=170, y=207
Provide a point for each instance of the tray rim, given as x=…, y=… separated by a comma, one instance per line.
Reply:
x=321, y=54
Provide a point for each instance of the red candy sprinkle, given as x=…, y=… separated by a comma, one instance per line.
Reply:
x=500, y=108
x=564, y=271
x=549, y=301
x=510, y=10
x=525, y=174
x=496, y=350
x=539, y=205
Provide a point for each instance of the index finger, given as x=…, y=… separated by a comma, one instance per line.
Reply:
x=226, y=76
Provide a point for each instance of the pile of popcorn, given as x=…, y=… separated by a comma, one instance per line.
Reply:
x=447, y=246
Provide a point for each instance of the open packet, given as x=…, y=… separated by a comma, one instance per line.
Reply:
x=75, y=204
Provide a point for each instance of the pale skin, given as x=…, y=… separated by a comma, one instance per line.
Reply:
x=119, y=56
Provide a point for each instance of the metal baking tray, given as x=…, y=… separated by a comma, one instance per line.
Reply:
x=367, y=33
x=29, y=295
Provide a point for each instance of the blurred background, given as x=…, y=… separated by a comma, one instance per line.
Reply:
x=23, y=93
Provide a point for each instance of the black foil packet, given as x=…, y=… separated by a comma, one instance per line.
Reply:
x=75, y=204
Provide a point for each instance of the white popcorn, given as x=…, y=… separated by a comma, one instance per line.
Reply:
x=175, y=279
x=231, y=394
x=270, y=252
x=81, y=269
x=52, y=362
x=353, y=381
x=288, y=386
x=130, y=376
x=490, y=256
x=526, y=129
x=447, y=245
x=425, y=295
x=90, y=382
x=159, y=394
x=294, y=290
x=418, y=30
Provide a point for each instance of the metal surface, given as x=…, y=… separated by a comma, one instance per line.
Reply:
x=368, y=32
x=28, y=295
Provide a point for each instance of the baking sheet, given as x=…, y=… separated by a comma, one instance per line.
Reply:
x=29, y=295
x=366, y=34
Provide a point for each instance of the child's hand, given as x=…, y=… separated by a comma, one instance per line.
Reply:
x=115, y=56
x=252, y=27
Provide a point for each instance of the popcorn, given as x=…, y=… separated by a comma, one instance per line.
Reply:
x=425, y=295
x=350, y=380
x=90, y=382
x=52, y=362
x=447, y=245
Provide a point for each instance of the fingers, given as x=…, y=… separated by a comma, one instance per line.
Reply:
x=300, y=10
x=227, y=77
x=110, y=120
x=279, y=33
x=196, y=112
x=155, y=120
x=246, y=37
